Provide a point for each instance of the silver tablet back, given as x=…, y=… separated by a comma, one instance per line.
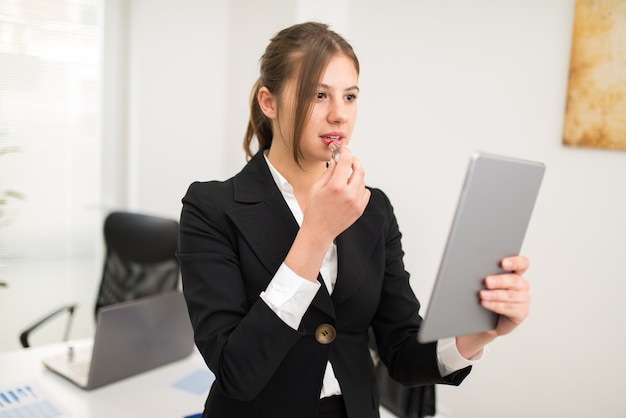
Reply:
x=490, y=223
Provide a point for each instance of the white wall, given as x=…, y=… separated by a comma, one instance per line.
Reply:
x=439, y=80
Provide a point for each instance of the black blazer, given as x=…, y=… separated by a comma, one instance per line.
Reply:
x=234, y=235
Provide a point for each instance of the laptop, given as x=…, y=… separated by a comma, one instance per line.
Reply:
x=491, y=219
x=131, y=338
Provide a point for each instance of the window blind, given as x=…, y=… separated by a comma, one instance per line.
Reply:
x=50, y=164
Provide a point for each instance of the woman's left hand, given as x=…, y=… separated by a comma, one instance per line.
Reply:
x=508, y=294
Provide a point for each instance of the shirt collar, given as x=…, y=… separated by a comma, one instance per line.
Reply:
x=281, y=182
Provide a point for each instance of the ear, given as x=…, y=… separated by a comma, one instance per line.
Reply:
x=267, y=103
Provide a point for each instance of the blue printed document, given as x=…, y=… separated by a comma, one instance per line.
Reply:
x=198, y=382
x=28, y=400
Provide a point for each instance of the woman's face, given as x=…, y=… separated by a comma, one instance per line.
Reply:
x=334, y=110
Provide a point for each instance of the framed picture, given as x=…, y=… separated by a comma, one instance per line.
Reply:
x=595, y=114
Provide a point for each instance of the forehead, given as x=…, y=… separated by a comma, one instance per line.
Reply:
x=340, y=72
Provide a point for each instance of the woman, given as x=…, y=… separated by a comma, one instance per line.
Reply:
x=287, y=265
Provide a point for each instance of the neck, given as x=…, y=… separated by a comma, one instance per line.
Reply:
x=300, y=177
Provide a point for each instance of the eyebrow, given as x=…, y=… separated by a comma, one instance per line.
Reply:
x=326, y=86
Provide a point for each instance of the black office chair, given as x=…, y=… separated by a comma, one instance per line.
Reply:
x=140, y=261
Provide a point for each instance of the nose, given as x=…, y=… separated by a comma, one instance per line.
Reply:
x=337, y=112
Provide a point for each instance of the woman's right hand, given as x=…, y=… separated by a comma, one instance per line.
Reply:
x=334, y=203
x=338, y=198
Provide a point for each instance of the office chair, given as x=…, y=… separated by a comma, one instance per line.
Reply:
x=140, y=261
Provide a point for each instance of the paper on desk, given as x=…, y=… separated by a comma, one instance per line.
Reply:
x=28, y=400
x=198, y=382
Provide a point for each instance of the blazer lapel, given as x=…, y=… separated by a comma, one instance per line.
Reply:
x=354, y=249
x=261, y=214
x=266, y=222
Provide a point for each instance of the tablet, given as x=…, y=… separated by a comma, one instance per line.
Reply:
x=490, y=223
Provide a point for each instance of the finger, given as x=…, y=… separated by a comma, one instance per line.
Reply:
x=514, y=312
x=518, y=264
x=356, y=181
x=327, y=175
x=340, y=171
x=358, y=173
x=506, y=303
x=505, y=296
x=345, y=158
x=506, y=281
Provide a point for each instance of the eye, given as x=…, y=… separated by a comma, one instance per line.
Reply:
x=351, y=97
x=320, y=95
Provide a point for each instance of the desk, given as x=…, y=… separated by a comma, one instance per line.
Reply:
x=149, y=394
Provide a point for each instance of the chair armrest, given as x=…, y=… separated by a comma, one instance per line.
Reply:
x=26, y=333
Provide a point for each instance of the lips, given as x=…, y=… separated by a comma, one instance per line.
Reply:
x=336, y=137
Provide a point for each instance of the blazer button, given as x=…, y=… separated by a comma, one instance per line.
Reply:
x=325, y=334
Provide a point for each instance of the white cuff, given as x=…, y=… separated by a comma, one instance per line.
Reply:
x=289, y=295
x=449, y=358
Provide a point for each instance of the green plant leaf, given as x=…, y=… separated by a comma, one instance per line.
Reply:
x=7, y=150
x=13, y=194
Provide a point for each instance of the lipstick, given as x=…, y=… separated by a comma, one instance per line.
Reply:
x=334, y=141
x=335, y=151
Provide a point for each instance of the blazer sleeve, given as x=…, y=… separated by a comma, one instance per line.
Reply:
x=397, y=320
x=241, y=339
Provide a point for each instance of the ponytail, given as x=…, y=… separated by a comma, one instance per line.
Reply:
x=259, y=125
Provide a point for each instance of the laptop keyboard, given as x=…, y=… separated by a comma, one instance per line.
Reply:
x=81, y=368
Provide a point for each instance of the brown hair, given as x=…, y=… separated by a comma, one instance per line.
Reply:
x=303, y=50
